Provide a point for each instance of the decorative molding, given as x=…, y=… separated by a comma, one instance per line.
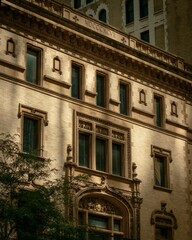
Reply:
x=57, y=82
x=161, y=151
x=114, y=102
x=143, y=53
x=90, y=93
x=141, y=111
x=85, y=125
x=176, y=124
x=12, y=65
x=57, y=65
x=102, y=130
x=10, y=47
x=98, y=205
x=33, y=111
x=142, y=97
x=163, y=217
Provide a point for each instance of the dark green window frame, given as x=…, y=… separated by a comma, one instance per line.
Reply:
x=33, y=65
x=76, y=81
x=31, y=135
x=84, y=149
x=101, y=90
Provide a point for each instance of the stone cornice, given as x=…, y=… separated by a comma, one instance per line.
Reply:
x=130, y=55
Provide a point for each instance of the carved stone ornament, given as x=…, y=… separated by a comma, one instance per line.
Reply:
x=163, y=217
x=102, y=130
x=85, y=125
x=98, y=205
x=118, y=135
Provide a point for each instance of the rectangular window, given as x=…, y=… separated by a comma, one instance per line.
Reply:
x=102, y=146
x=163, y=233
x=101, y=154
x=33, y=66
x=116, y=158
x=161, y=171
x=143, y=8
x=77, y=4
x=123, y=99
x=31, y=138
x=158, y=107
x=84, y=150
x=100, y=86
x=129, y=8
x=145, y=36
x=76, y=81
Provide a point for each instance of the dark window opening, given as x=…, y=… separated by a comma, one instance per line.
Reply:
x=76, y=81
x=129, y=8
x=101, y=154
x=84, y=150
x=145, y=36
x=103, y=15
x=143, y=4
x=100, y=90
x=77, y=4
x=31, y=135
x=33, y=65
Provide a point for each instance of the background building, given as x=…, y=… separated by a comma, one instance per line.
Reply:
x=165, y=24
x=103, y=103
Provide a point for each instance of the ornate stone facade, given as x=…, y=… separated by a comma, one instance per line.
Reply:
x=80, y=61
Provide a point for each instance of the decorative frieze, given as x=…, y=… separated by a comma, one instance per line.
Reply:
x=98, y=205
x=118, y=135
x=102, y=130
x=85, y=125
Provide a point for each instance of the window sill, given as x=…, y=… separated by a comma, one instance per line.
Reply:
x=163, y=189
x=32, y=156
x=143, y=18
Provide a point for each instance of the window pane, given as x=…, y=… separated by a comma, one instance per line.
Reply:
x=129, y=11
x=123, y=99
x=158, y=110
x=116, y=153
x=32, y=66
x=77, y=3
x=84, y=150
x=100, y=90
x=103, y=15
x=117, y=224
x=145, y=36
x=160, y=171
x=98, y=221
x=76, y=81
x=163, y=233
x=143, y=8
x=30, y=135
x=100, y=154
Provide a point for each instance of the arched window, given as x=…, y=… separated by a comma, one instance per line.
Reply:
x=77, y=4
x=104, y=220
x=103, y=15
x=129, y=11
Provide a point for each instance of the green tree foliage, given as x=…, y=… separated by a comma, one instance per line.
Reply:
x=32, y=206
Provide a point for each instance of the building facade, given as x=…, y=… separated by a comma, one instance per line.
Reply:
x=103, y=103
x=165, y=24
